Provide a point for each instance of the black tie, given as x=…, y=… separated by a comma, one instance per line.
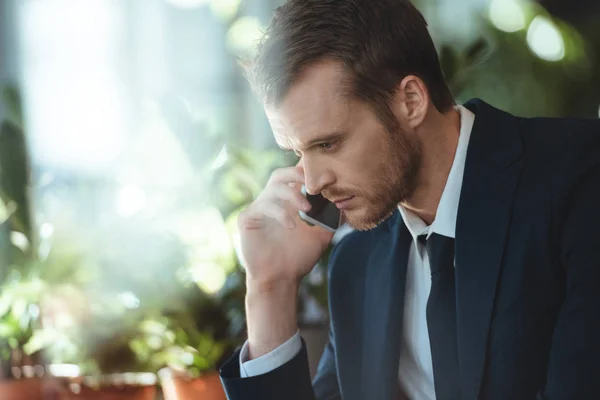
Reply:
x=441, y=317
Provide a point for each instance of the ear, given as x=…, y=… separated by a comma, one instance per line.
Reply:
x=412, y=101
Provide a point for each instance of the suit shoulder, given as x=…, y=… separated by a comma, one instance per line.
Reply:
x=560, y=132
x=565, y=147
x=567, y=150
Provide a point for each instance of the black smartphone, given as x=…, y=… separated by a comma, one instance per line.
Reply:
x=323, y=213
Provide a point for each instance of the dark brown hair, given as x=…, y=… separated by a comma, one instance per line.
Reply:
x=379, y=42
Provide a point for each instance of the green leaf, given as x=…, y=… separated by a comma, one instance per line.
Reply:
x=140, y=349
x=6, y=300
x=201, y=362
x=19, y=307
x=39, y=340
x=8, y=329
x=15, y=175
x=4, y=353
x=153, y=327
x=12, y=101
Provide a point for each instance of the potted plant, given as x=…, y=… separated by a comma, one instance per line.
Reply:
x=190, y=357
x=44, y=302
x=186, y=336
x=69, y=342
x=21, y=371
x=20, y=289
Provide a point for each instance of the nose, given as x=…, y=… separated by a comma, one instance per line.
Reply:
x=316, y=177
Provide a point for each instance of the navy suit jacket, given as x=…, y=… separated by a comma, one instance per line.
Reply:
x=527, y=278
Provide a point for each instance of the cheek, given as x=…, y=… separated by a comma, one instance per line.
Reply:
x=360, y=172
x=366, y=155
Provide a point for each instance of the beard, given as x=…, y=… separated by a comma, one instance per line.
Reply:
x=394, y=181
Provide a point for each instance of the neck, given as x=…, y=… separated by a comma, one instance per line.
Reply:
x=439, y=139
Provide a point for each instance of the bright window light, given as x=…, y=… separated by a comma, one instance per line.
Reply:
x=209, y=276
x=220, y=160
x=188, y=4
x=130, y=201
x=129, y=300
x=77, y=109
x=544, y=39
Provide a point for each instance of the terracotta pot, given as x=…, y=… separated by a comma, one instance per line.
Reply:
x=31, y=389
x=110, y=393
x=207, y=387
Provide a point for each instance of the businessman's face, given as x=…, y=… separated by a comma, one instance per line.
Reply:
x=347, y=153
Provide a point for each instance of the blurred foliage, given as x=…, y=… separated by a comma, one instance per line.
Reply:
x=180, y=345
x=18, y=297
x=12, y=102
x=14, y=183
x=62, y=302
x=503, y=69
x=459, y=65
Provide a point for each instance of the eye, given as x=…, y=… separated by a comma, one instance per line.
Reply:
x=325, y=146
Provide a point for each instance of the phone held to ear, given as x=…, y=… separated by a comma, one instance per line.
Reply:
x=323, y=213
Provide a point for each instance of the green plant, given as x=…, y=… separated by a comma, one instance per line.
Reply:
x=19, y=310
x=177, y=343
x=20, y=290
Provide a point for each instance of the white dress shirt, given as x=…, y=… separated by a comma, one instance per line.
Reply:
x=415, y=373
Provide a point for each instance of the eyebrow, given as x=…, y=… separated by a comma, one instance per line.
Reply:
x=330, y=137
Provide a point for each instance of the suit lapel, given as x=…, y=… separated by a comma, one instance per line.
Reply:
x=492, y=170
x=385, y=280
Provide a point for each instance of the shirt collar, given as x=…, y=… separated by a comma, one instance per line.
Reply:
x=445, y=219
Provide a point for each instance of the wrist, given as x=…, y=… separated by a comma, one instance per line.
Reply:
x=271, y=311
x=278, y=288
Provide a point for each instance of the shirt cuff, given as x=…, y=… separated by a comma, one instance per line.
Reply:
x=269, y=361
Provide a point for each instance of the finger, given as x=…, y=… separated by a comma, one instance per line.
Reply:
x=280, y=192
x=248, y=219
x=287, y=175
x=261, y=211
x=276, y=212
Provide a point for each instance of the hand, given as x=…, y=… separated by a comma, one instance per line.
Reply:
x=278, y=249
x=277, y=246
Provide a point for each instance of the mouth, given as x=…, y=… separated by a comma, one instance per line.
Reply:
x=342, y=203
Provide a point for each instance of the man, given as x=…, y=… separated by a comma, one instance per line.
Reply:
x=474, y=270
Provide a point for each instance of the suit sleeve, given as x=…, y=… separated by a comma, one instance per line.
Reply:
x=289, y=381
x=269, y=361
x=326, y=381
x=573, y=365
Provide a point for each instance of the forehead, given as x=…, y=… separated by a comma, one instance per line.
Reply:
x=315, y=105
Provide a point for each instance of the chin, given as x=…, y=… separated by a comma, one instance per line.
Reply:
x=360, y=220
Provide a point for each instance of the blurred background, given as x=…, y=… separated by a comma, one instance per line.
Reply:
x=130, y=141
